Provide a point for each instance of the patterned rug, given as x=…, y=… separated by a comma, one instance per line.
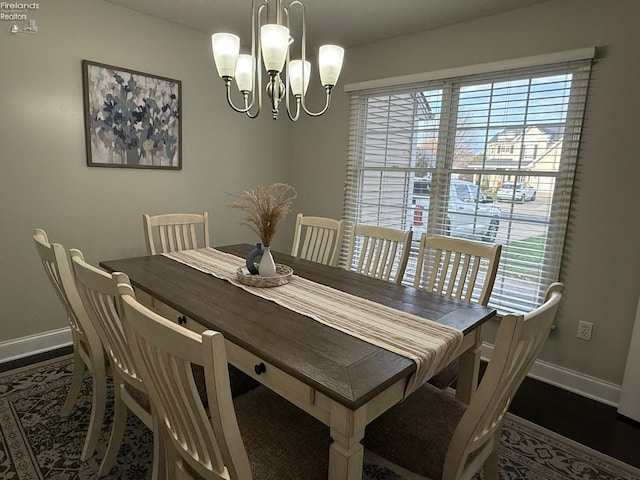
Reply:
x=35, y=443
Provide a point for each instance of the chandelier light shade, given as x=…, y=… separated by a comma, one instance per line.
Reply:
x=275, y=45
x=330, y=63
x=225, y=50
x=298, y=77
x=244, y=73
x=271, y=44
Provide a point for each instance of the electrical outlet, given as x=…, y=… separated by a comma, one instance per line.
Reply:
x=584, y=330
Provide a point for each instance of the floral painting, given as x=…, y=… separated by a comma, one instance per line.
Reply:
x=132, y=119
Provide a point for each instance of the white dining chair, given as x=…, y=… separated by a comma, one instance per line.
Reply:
x=172, y=232
x=379, y=252
x=99, y=294
x=434, y=435
x=318, y=239
x=257, y=435
x=457, y=268
x=87, y=348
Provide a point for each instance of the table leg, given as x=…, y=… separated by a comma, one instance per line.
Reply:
x=469, y=370
x=346, y=454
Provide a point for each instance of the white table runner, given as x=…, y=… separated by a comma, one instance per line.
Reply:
x=430, y=344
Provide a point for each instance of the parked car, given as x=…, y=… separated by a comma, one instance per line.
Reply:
x=469, y=214
x=524, y=192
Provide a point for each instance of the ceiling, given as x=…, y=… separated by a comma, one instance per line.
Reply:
x=343, y=22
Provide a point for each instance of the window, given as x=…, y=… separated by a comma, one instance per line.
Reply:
x=531, y=151
x=488, y=157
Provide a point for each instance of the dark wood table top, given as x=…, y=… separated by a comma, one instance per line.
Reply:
x=340, y=366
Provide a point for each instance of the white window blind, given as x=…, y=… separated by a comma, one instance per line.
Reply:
x=489, y=157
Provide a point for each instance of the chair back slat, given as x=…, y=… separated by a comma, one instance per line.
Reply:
x=312, y=248
x=382, y=252
x=173, y=232
x=165, y=354
x=518, y=344
x=162, y=229
x=99, y=297
x=457, y=268
x=190, y=238
x=318, y=239
x=318, y=245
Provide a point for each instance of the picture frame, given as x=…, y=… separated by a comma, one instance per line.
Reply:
x=132, y=119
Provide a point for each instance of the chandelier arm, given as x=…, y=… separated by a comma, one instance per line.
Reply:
x=328, y=89
x=254, y=13
x=303, y=47
x=303, y=44
x=295, y=117
x=303, y=52
x=257, y=111
x=256, y=53
x=227, y=84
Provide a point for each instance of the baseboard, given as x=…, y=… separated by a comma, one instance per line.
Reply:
x=570, y=380
x=34, y=344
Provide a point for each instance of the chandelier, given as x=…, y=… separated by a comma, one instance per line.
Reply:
x=270, y=42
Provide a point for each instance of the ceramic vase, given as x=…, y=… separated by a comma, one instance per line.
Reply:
x=254, y=255
x=267, y=267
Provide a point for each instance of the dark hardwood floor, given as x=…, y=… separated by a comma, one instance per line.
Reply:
x=586, y=421
x=581, y=419
x=40, y=357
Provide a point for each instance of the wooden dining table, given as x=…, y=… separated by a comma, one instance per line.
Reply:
x=339, y=379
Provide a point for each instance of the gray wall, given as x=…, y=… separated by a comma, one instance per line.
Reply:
x=44, y=179
x=602, y=266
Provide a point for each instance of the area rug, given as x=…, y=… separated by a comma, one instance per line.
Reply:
x=36, y=443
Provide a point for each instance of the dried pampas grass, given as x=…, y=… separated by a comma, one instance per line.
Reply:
x=266, y=208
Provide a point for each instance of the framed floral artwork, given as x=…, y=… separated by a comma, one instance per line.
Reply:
x=132, y=119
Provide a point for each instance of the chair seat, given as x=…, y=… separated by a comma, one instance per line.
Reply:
x=282, y=441
x=415, y=434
